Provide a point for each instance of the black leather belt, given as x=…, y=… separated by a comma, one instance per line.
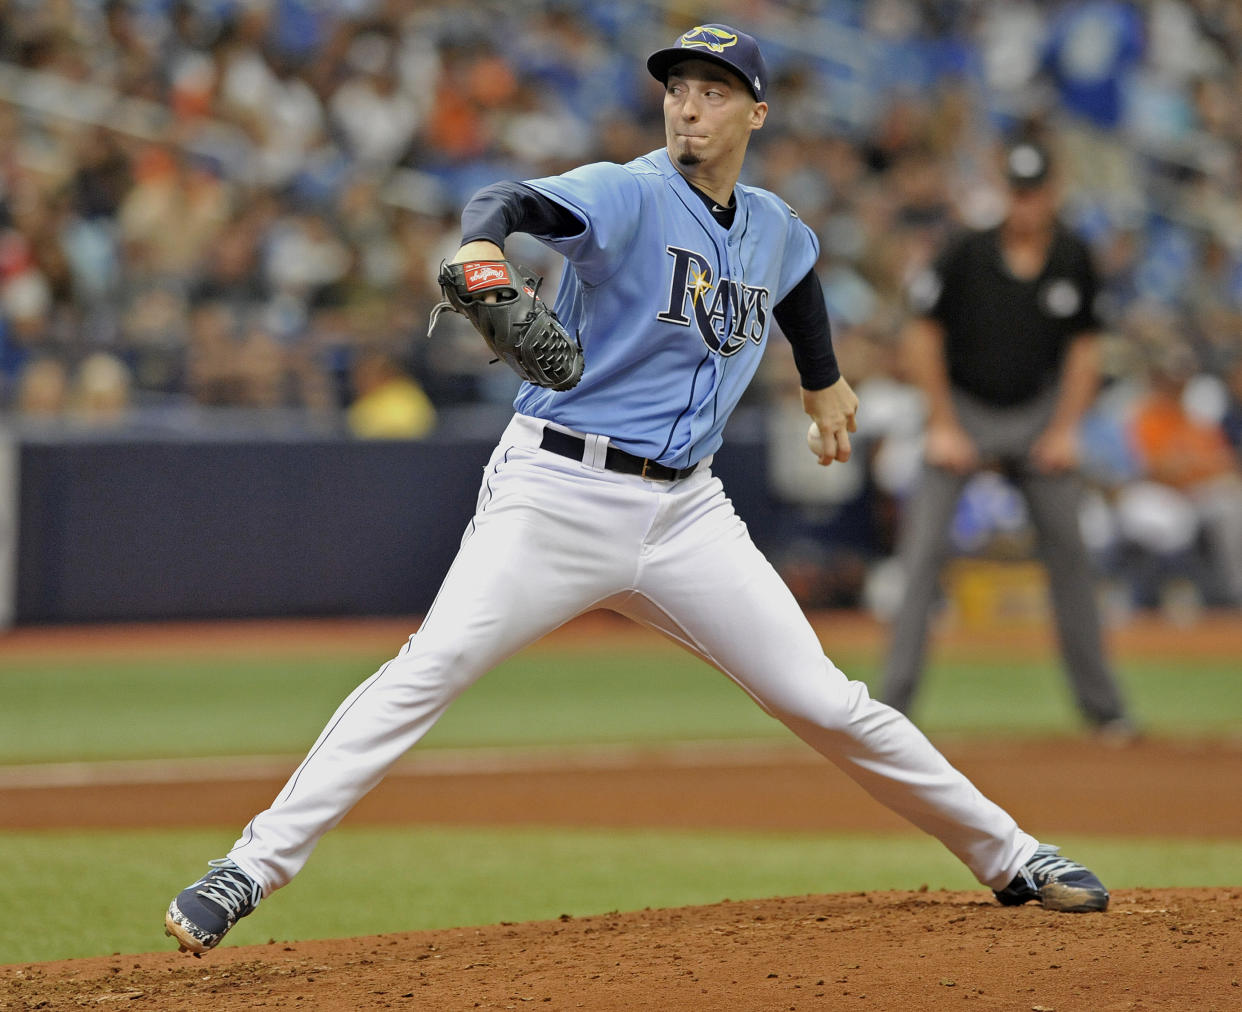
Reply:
x=616, y=459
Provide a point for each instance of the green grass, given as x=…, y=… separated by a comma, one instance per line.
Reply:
x=76, y=894
x=1187, y=698
x=186, y=706
x=147, y=708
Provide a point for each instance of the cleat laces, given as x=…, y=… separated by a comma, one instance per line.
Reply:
x=1048, y=864
x=229, y=888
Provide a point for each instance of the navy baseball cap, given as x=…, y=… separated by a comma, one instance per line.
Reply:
x=721, y=44
x=1027, y=165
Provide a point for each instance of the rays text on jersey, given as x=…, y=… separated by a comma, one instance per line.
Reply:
x=727, y=313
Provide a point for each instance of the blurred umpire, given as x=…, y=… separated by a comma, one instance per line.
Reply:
x=1003, y=343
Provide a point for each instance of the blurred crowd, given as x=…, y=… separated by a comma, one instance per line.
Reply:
x=243, y=203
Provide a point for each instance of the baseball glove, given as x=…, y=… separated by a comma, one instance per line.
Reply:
x=518, y=326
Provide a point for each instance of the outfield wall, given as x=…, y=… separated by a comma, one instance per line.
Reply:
x=138, y=527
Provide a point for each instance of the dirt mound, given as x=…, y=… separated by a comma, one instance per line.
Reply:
x=1154, y=949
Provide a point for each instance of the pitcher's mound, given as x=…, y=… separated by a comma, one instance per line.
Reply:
x=1153, y=949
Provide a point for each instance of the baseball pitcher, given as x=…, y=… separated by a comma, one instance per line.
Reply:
x=600, y=493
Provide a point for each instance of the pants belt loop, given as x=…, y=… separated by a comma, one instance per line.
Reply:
x=595, y=452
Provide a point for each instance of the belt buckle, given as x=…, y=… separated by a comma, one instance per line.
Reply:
x=647, y=462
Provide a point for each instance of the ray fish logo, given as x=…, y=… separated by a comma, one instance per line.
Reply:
x=714, y=40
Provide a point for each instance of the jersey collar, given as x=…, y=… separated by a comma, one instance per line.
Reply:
x=661, y=159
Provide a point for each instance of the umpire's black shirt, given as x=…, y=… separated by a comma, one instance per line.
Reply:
x=1005, y=337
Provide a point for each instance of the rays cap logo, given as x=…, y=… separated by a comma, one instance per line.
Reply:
x=721, y=44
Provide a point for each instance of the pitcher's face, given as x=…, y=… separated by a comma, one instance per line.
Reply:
x=709, y=114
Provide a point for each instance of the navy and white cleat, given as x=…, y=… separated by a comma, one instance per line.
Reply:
x=1056, y=882
x=204, y=911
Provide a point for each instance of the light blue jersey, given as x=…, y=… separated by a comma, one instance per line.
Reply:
x=672, y=309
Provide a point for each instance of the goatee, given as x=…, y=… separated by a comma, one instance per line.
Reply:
x=688, y=158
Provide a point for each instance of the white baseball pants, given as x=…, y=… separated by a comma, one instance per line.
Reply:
x=553, y=538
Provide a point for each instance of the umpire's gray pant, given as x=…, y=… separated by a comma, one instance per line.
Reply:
x=1004, y=437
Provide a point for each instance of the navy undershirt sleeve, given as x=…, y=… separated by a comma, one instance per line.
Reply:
x=499, y=210
x=803, y=318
